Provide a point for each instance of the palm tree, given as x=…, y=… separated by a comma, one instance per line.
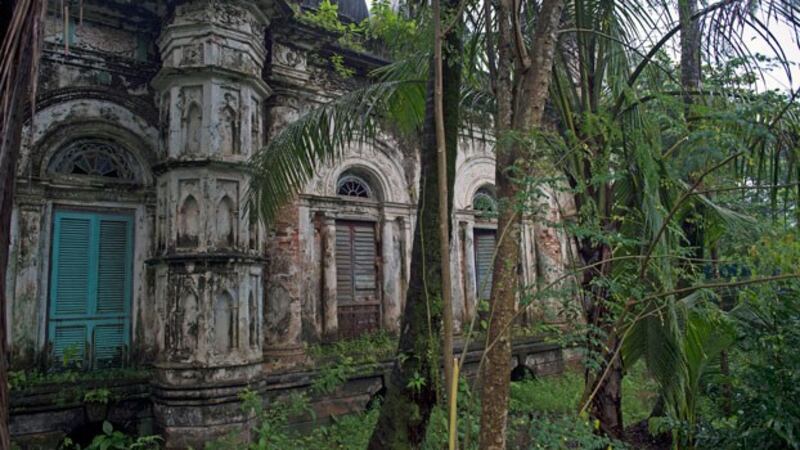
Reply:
x=618, y=157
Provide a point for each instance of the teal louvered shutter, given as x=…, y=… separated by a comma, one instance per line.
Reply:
x=90, y=288
x=113, y=270
x=70, y=290
x=113, y=291
x=72, y=270
x=484, y=252
x=110, y=342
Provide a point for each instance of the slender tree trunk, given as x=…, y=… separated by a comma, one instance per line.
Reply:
x=406, y=409
x=17, y=69
x=444, y=203
x=521, y=114
x=603, y=388
x=690, y=85
x=690, y=51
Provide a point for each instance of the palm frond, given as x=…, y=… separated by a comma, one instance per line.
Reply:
x=283, y=167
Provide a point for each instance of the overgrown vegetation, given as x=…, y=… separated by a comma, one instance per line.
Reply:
x=541, y=408
x=386, y=32
x=22, y=380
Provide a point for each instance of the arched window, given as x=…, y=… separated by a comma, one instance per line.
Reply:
x=93, y=157
x=357, y=262
x=484, y=202
x=351, y=185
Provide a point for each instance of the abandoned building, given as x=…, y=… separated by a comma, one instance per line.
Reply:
x=132, y=245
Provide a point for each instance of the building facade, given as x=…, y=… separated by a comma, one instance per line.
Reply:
x=132, y=241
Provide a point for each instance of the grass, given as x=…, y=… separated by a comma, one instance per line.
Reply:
x=561, y=394
x=366, y=349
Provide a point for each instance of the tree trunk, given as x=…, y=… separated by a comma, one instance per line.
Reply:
x=444, y=203
x=603, y=389
x=521, y=114
x=690, y=85
x=690, y=50
x=14, y=92
x=407, y=407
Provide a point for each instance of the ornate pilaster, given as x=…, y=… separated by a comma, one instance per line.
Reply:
x=209, y=263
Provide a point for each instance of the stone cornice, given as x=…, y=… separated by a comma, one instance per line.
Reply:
x=171, y=164
x=169, y=75
x=207, y=258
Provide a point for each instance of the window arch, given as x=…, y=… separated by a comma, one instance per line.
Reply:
x=98, y=158
x=484, y=201
x=352, y=185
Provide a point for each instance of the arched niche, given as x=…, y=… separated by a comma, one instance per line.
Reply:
x=225, y=218
x=193, y=124
x=189, y=222
x=253, y=231
x=224, y=323
x=252, y=309
x=229, y=131
x=189, y=326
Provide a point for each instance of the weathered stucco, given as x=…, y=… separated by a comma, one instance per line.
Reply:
x=219, y=303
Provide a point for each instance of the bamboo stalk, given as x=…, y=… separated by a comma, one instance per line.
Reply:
x=444, y=214
x=453, y=404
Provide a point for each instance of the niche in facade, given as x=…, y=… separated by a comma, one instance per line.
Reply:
x=229, y=127
x=193, y=126
x=253, y=231
x=189, y=223
x=255, y=124
x=225, y=223
x=189, y=322
x=253, y=316
x=190, y=103
x=224, y=325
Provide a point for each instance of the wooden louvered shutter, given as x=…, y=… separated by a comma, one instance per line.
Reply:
x=344, y=265
x=90, y=288
x=364, y=279
x=484, y=251
x=356, y=276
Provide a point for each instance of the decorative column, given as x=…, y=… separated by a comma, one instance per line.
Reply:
x=392, y=274
x=330, y=314
x=209, y=255
x=470, y=291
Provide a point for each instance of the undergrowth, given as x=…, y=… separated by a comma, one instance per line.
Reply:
x=542, y=415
